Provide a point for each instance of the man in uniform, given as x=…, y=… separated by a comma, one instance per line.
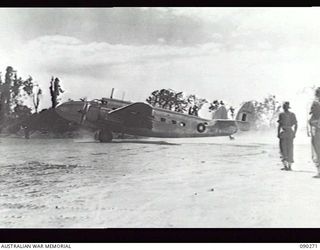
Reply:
x=314, y=123
x=287, y=130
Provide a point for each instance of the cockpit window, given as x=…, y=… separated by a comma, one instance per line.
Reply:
x=163, y=119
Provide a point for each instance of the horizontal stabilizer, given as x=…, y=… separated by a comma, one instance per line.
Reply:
x=220, y=113
x=243, y=126
x=222, y=122
x=226, y=125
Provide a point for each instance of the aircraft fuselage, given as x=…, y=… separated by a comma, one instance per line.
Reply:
x=164, y=123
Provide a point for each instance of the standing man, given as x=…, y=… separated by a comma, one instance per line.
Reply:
x=314, y=123
x=286, y=134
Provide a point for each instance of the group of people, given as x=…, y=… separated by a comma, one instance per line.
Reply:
x=287, y=130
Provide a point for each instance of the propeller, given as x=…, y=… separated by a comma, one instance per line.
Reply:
x=84, y=112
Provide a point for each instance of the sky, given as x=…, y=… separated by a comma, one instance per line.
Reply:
x=230, y=54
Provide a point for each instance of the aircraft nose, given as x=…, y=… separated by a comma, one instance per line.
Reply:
x=67, y=110
x=62, y=108
x=70, y=111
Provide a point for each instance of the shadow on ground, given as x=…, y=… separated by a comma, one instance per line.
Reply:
x=137, y=142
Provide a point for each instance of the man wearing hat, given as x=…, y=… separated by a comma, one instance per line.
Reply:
x=287, y=130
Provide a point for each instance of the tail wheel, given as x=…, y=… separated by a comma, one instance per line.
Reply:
x=105, y=135
x=201, y=127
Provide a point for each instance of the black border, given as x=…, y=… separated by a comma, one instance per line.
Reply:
x=157, y=235
x=158, y=3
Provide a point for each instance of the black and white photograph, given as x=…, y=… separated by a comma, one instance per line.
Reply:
x=159, y=117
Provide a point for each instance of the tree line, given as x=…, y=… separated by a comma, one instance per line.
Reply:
x=178, y=101
x=266, y=112
x=16, y=93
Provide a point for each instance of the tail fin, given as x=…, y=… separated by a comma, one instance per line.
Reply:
x=245, y=116
x=220, y=113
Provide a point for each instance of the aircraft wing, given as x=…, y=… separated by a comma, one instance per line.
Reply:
x=137, y=115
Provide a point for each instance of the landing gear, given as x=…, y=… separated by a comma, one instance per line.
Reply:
x=26, y=133
x=105, y=135
x=231, y=137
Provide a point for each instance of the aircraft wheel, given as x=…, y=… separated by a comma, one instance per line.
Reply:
x=105, y=135
x=26, y=133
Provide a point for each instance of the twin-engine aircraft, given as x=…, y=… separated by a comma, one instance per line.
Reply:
x=112, y=115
